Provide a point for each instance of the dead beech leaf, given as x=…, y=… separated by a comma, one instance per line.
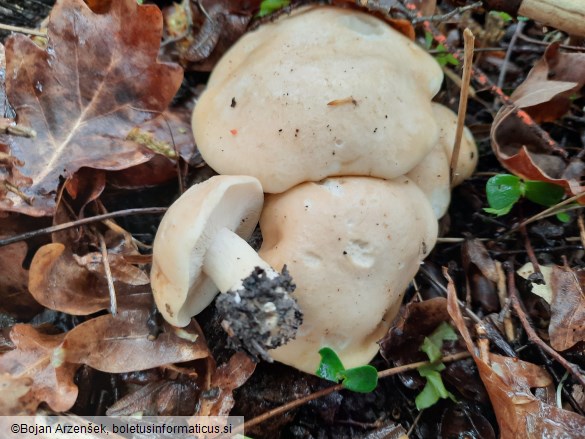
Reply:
x=545, y=96
x=120, y=343
x=508, y=381
x=219, y=399
x=567, y=323
x=58, y=282
x=96, y=80
x=38, y=357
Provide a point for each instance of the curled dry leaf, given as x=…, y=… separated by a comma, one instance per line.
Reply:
x=219, y=399
x=37, y=356
x=508, y=381
x=59, y=282
x=567, y=323
x=121, y=343
x=207, y=29
x=545, y=96
x=95, y=81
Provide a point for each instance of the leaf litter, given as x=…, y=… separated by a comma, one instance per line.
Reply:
x=117, y=123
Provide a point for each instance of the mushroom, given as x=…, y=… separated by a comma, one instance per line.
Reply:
x=352, y=244
x=200, y=248
x=432, y=173
x=323, y=92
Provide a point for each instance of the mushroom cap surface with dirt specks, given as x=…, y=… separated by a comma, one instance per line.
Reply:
x=323, y=92
x=352, y=244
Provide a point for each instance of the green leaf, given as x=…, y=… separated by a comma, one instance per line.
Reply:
x=503, y=15
x=269, y=6
x=563, y=217
x=361, y=379
x=546, y=194
x=427, y=397
x=433, y=343
x=330, y=366
x=503, y=191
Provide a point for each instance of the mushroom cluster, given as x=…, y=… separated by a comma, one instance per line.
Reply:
x=329, y=110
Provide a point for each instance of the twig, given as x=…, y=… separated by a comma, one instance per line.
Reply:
x=581, y=224
x=23, y=30
x=337, y=387
x=469, y=41
x=504, y=70
x=413, y=426
x=448, y=15
x=109, y=278
x=69, y=225
x=531, y=333
x=537, y=276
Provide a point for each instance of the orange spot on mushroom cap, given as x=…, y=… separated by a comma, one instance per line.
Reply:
x=234, y=131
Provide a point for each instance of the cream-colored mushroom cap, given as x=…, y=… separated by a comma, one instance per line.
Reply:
x=324, y=92
x=181, y=286
x=432, y=173
x=352, y=244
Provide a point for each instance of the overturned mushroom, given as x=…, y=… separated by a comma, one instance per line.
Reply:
x=352, y=244
x=323, y=92
x=200, y=248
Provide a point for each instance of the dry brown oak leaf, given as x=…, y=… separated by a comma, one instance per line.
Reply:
x=97, y=79
x=545, y=95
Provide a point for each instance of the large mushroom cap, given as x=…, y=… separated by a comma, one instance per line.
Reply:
x=181, y=290
x=432, y=173
x=323, y=92
x=353, y=244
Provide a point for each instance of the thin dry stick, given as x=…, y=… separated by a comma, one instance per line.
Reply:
x=324, y=392
x=109, y=278
x=23, y=30
x=70, y=225
x=511, y=46
x=531, y=333
x=469, y=42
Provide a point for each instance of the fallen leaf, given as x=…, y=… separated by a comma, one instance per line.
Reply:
x=216, y=25
x=508, y=381
x=218, y=400
x=121, y=343
x=567, y=322
x=160, y=398
x=482, y=275
x=16, y=398
x=79, y=291
x=121, y=270
x=544, y=96
x=38, y=357
x=15, y=298
x=97, y=79
x=543, y=291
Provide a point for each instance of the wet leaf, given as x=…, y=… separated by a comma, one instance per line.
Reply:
x=38, y=357
x=567, y=323
x=121, y=343
x=520, y=414
x=545, y=95
x=218, y=399
x=79, y=292
x=96, y=80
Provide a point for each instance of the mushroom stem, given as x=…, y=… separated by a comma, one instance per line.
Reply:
x=230, y=259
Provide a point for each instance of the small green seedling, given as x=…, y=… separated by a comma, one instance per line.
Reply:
x=269, y=6
x=434, y=388
x=362, y=379
x=442, y=56
x=504, y=190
